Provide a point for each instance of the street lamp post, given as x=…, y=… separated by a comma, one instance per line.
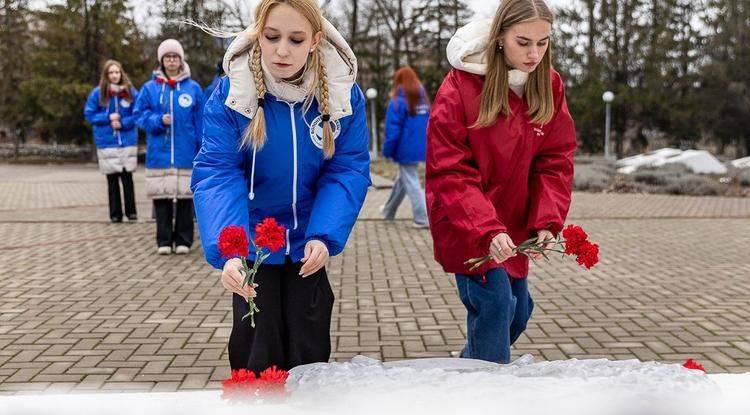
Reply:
x=607, y=97
x=371, y=94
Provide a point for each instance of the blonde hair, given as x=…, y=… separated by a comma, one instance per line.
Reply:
x=538, y=89
x=255, y=134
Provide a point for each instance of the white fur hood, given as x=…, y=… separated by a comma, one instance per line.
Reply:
x=341, y=69
x=466, y=48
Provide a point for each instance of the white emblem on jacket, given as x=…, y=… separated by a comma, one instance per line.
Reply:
x=316, y=131
x=125, y=103
x=185, y=100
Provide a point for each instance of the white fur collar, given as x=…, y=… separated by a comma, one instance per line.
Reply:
x=341, y=69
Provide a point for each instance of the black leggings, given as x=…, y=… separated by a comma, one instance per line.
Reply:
x=293, y=325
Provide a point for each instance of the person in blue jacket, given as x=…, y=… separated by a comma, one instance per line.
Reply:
x=285, y=136
x=405, y=142
x=169, y=109
x=109, y=109
x=217, y=78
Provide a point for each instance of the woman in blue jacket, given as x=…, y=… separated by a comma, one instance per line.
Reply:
x=109, y=109
x=405, y=141
x=285, y=137
x=170, y=109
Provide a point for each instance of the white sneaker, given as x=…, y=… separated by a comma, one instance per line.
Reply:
x=164, y=250
x=182, y=250
x=416, y=225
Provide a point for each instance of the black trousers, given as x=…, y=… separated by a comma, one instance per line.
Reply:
x=181, y=231
x=128, y=192
x=293, y=325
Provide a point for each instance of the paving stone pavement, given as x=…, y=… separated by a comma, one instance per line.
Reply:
x=87, y=306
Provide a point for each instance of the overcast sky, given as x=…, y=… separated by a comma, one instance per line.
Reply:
x=147, y=14
x=482, y=8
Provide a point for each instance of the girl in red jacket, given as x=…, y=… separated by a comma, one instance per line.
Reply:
x=500, y=146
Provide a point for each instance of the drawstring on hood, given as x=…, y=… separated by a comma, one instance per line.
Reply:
x=252, y=175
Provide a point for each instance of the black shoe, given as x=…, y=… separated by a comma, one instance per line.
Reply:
x=133, y=217
x=116, y=220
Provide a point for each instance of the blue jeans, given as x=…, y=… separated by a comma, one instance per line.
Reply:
x=498, y=309
x=407, y=184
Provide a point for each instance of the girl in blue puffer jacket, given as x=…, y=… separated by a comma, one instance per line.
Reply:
x=405, y=142
x=109, y=109
x=285, y=137
x=170, y=109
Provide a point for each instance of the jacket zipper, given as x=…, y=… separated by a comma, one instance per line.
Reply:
x=294, y=174
x=117, y=110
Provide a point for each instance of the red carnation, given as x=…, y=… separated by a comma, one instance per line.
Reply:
x=273, y=379
x=171, y=82
x=575, y=238
x=270, y=234
x=241, y=385
x=244, y=385
x=274, y=375
x=233, y=242
x=588, y=254
x=692, y=364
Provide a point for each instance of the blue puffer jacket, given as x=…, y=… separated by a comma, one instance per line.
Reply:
x=210, y=88
x=170, y=145
x=405, y=134
x=287, y=179
x=96, y=114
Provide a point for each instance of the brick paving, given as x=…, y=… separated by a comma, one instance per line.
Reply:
x=86, y=305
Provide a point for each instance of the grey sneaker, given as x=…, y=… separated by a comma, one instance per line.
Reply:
x=164, y=250
x=182, y=250
x=416, y=225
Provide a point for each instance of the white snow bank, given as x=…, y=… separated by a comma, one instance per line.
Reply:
x=443, y=386
x=743, y=163
x=630, y=164
x=698, y=161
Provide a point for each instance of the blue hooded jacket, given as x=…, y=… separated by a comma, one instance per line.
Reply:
x=170, y=145
x=288, y=178
x=210, y=88
x=405, y=133
x=104, y=135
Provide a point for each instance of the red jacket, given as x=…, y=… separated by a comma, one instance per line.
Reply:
x=513, y=176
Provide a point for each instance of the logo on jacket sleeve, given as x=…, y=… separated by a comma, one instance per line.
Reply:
x=316, y=131
x=185, y=100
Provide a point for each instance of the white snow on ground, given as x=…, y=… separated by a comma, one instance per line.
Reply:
x=743, y=163
x=443, y=386
x=698, y=161
x=630, y=164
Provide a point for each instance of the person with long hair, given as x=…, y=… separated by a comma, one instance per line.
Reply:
x=500, y=147
x=170, y=109
x=285, y=137
x=109, y=109
x=405, y=140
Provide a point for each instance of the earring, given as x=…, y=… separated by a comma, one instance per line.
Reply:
x=500, y=46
